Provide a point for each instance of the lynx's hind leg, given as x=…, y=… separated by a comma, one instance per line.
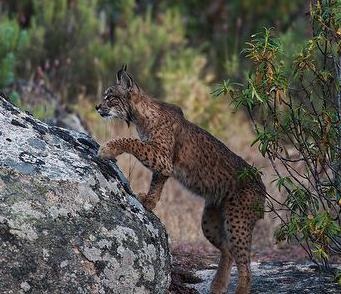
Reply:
x=240, y=237
x=213, y=225
x=240, y=218
x=214, y=231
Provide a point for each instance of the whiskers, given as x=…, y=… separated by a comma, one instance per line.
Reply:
x=131, y=163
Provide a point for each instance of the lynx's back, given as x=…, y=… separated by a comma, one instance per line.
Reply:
x=204, y=164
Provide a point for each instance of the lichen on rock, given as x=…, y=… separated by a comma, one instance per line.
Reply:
x=68, y=220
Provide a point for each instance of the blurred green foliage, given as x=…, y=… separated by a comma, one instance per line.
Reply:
x=145, y=45
x=225, y=26
x=13, y=41
x=76, y=46
x=62, y=34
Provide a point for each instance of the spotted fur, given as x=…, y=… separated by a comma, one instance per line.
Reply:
x=171, y=146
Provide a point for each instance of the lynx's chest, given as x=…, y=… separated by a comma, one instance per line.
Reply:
x=143, y=134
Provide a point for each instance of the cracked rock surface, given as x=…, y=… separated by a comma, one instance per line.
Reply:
x=68, y=221
x=273, y=277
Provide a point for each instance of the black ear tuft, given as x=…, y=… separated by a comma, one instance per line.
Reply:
x=119, y=76
x=121, y=72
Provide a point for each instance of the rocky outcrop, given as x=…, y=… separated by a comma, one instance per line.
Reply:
x=273, y=277
x=68, y=221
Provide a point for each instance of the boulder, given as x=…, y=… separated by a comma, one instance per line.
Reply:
x=68, y=220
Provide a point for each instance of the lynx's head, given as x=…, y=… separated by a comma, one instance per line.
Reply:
x=117, y=98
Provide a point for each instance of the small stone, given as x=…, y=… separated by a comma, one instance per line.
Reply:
x=64, y=263
x=25, y=286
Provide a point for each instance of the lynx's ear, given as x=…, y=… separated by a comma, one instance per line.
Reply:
x=120, y=72
x=124, y=79
x=127, y=81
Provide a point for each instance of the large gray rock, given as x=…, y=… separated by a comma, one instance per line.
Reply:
x=68, y=222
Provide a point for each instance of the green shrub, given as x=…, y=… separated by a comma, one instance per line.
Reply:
x=13, y=41
x=296, y=115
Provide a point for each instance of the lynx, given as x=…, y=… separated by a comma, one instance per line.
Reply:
x=171, y=146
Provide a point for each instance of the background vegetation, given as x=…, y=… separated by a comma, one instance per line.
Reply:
x=296, y=117
x=179, y=51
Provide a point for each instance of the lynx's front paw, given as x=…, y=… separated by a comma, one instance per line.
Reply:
x=109, y=150
x=147, y=201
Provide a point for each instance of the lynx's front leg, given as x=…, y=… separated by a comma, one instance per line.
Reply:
x=150, y=199
x=156, y=157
